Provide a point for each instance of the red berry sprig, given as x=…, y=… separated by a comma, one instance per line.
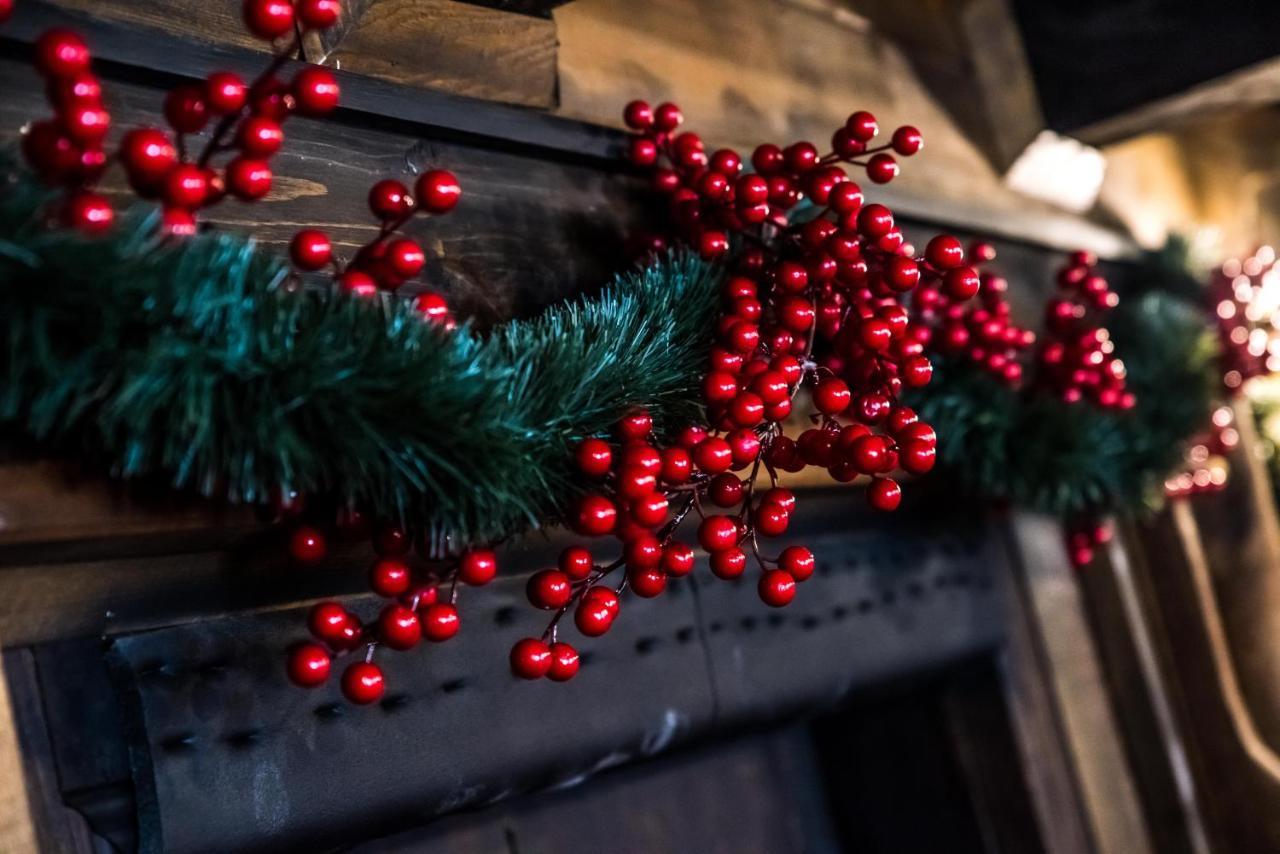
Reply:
x=981, y=332
x=1077, y=359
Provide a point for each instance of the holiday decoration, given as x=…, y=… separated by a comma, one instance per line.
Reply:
x=781, y=321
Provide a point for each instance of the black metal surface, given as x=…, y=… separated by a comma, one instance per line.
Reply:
x=227, y=756
x=1095, y=59
x=536, y=8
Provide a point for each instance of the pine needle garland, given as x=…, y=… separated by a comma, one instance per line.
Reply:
x=195, y=362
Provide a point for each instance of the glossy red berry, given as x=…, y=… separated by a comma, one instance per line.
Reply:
x=477, y=567
x=405, y=258
x=225, y=92
x=328, y=622
x=677, y=465
x=248, y=179
x=771, y=520
x=309, y=665
x=594, y=457
x=647, y=582
x=884, y=494
x=398, y=627
x=315, y=91
x=438, y=191
x=667, y=117
x=358, y=283
x=944, y=252
x=185, y=109
x=390, y=200
x=832, y=396
x=962, y=283
x=363, y=683
x=576, y=562
x=564, y=662
x=717, y=533
x=636, y=424
x=78, y=90
x=882, y=168
x=728, y=563
x=259, y=136
x=596, y=611
x=549, y=589
x=317, y=14
x=677, y=559
x=86, y=124
x=638, y=115
x=650, y=510
x=310, y=249
x=186, y=187
x=307, y=545
x=389, y=577
x=917, y=457
x=148, y=155
x=862, y=126
x=61, y=53
x=595, y=516
x=439, y=621
x=713, y=455
x=797, y=561
x=777, y=588
x=531, y=659
x=875, y=221
x=88, y=212
x=907, y=141
x=176, y=222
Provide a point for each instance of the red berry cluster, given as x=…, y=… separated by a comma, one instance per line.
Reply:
x=390, y=259
x=983, y=332
x=1242, y=294
x=646, y=490
x=1084, y=536
x=69, y=149
x=1077, y=359
x=1204, y=466
x=838, y=269
x=422, y=599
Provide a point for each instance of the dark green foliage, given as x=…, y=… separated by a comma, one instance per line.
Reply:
x=1040, y=453
x=194, y=363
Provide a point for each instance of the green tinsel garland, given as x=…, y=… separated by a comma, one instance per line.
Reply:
x=193, y=363
x=1038, y=452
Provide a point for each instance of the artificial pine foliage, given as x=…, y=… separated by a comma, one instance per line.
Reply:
x=200, y=361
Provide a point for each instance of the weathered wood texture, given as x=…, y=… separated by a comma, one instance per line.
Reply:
x=442, y=44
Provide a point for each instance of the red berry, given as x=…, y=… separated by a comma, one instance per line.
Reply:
x=719, y=387
x=310, y=249
x=728, y=563
x=596, y=611
x=439, y=621
x=677, y=559
x=248, y=179
x=777, y=588
x=832, y=396
x=797, y=561
x=869, y=453
x=225, y=92
x=186, y=186
x=771, y=520
x=176, y=222
x=398, y=627
x=644, y=552
x=646, y=582
x=882, y=168
x=713, y=455
x=862, y=126
x=725, y=490
x=667, y=117
x=309, y=665
x=328, y=622
x=317, y=14
x=677, y=465
x=362, y=683
x=405, y=258
x=88, y=212
x=917, y=371
x=61, y=53
x=917, y=457
x=636, y=424
x=549, y=589
x=784, y=498
x=267, y=98
x=907, y=141
x=564, y=662
x=875, y=221
x=747, y=409
x=148, y=155
x=576, y=562
x=594, y=457
x=86, y=124
x=944, y=252
x=438, y=191
x=962, y=283
x=389, y=577
x=185, y=109
x=531, y=659
x=389, y=199
x=477, y=567
x=358, y=283
x=596, y=516
x=391, y=541
x=315, y=91
x=307, y=545
x=650, y=510
x=642, y=151
x=259, y=136
x=884, y=494
x=767, y=159
x=717, y=533
x=638, y=115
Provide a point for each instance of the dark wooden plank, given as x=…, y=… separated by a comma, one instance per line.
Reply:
x=440, y=44
x=168, y=56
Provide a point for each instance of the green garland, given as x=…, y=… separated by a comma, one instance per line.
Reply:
x=194, y=363
x=1040, y=453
